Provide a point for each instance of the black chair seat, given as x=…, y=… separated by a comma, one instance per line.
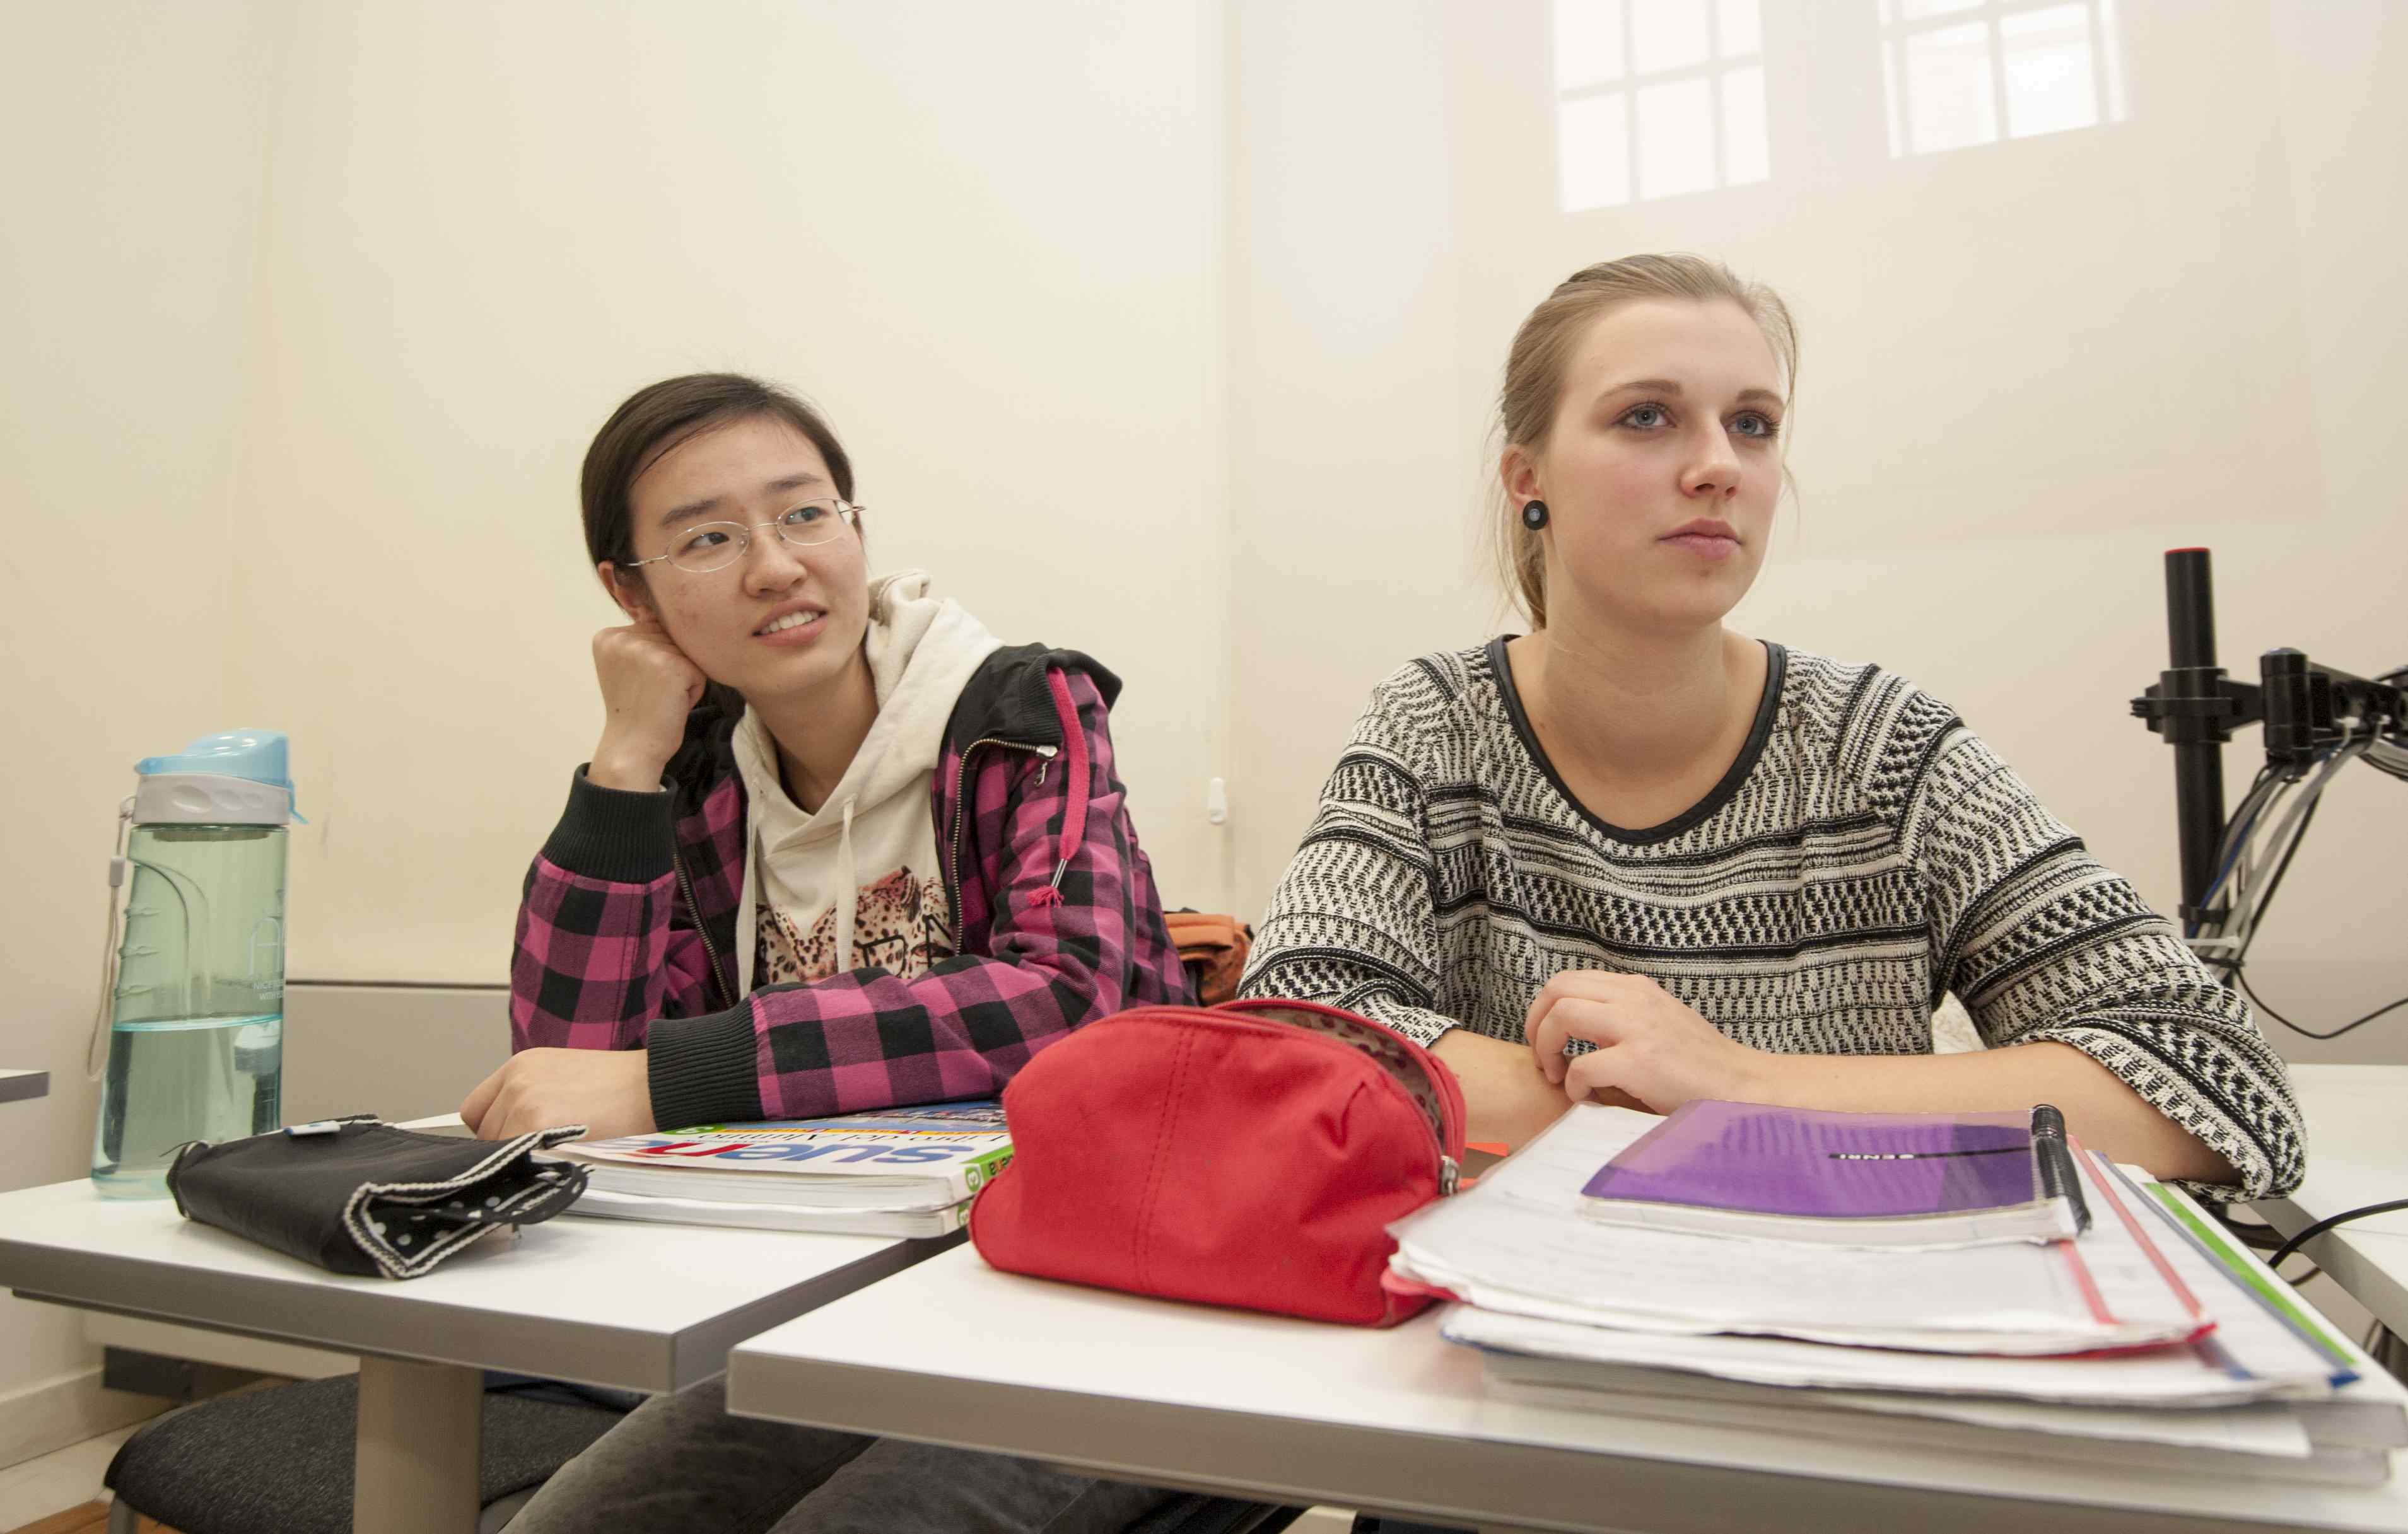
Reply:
x=1190, y=1513
x=280, y=1461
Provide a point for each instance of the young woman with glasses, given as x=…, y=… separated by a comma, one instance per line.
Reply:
x=1635, y=856
x=838, y=849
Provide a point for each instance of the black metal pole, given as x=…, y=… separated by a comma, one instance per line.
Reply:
x=2198, y=742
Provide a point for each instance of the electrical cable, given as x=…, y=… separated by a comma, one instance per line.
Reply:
x=2261, y=903
x=2296, y=809
x=2262, y=1005
x=2324, y=1225
x=2234, y=829
x=2285, y=799
x=2257, y=914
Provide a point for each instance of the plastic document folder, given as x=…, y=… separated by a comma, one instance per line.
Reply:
x=1886, y=1180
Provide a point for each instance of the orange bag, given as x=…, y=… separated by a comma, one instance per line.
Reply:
x=1214, y=948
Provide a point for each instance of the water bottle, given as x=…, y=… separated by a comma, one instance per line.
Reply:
x=194, y=990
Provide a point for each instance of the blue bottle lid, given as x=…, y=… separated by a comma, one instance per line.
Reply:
x=258, y=755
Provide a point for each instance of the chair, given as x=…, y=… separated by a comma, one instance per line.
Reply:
x=1190, y=1513
x=280, y=1461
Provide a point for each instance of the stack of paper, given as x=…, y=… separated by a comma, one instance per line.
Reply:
x=899, y=1171
x=2152, y=1342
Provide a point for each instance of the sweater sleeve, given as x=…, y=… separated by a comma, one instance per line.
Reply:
x=2043, y=943
x=603, y=945
x=1353, y=923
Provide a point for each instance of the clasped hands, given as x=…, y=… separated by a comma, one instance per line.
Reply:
x=1651, y=1049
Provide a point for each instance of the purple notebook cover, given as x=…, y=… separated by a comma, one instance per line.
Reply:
x=1826, y=1165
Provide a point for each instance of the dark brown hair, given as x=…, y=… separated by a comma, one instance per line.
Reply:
x=658, y=417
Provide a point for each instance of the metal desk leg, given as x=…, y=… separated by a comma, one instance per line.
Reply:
x=419, y=1429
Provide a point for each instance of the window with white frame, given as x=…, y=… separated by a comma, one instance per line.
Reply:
x=1967, y=72
x=1657, y=97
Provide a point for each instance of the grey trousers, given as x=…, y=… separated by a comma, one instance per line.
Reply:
x=680, y=1464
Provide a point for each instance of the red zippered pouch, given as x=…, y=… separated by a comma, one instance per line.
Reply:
x=1251, y=1154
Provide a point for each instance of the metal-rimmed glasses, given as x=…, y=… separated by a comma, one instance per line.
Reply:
x=705, y=547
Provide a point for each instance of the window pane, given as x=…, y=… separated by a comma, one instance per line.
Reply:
x=1594, y=137
x=2051, y=85
x=1949, y=99
x=1915, y=11
x=1676, y=138
x=1588, y=43
x=1738, y=28
x=1666, y=34
x=1745, y=148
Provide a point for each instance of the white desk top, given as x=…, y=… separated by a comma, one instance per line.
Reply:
x=953, y=1352
x=16, y=1086
x=2358, y=1155
x=641, y=1307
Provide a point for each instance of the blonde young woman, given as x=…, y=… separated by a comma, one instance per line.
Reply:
x=1634, y=855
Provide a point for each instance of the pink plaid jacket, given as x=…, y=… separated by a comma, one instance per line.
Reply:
x=626, y=937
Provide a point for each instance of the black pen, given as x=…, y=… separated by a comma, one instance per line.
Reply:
x=2053, y=1158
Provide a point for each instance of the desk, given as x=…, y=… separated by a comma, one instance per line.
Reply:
x=953, y=1352
x=18, y=1086
x=2358, y=1155
x=603, y=1302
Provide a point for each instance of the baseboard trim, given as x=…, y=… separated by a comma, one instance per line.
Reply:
x=54, y=1414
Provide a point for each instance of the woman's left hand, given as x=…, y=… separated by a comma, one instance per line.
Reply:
x=1650, y=1046
x=607, y=1090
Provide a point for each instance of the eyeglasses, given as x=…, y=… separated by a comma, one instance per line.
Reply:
x=706, y=546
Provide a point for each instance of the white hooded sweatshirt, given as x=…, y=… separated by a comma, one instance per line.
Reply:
x=806, y=911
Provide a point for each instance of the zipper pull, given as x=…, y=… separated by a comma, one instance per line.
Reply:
x=1448, y=1176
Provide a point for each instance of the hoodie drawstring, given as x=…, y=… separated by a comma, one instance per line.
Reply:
x=848, y=893
x=1074, y=783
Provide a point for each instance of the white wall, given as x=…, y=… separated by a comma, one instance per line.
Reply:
x=986, y=240
x=2028, y=367
x=125, y=269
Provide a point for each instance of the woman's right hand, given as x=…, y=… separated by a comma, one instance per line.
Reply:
x=648, y=684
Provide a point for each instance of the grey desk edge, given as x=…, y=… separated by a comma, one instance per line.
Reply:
x=24, y=1085
x=1533, y=1487
x=353, y=1320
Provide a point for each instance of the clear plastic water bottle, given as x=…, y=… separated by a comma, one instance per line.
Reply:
x=195, y=995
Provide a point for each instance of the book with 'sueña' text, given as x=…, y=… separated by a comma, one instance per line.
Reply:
x=920, y=1159
x=1928, y=1180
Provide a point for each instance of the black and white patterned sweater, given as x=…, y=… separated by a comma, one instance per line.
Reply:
x=1866, y=855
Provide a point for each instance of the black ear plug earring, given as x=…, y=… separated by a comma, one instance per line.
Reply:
x=1534, y=514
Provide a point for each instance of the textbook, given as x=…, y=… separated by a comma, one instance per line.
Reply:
x=2272, y=1391
x=923, y=1159
x=1874, y=1180
x=601, y=1204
